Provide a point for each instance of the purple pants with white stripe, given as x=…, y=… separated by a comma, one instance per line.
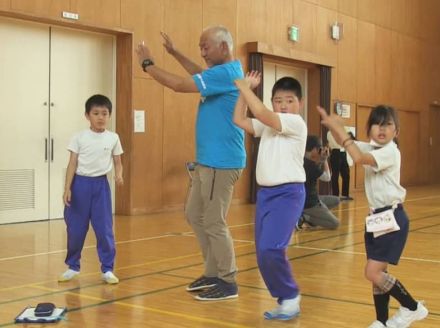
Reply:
x=91, y=202
x=277, y=212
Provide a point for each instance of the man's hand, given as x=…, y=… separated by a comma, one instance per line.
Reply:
x=143, y=52
x=168, y=44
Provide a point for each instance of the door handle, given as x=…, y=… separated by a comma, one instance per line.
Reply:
x=45, y=149
x=52, y=151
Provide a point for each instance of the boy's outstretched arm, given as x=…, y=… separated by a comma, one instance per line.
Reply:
x=190, y=66
x=258, y=109
x=118, y=170
x=240, y=116
x=336, y=127
x=70, y=172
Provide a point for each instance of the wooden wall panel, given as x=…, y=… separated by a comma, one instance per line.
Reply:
x=278, y=18
x=433, y=72
x=305, y=16
x=183, y=22
x=382, y=12
x=362, y=114
x=329, y=4
x=334, y=92
x=44, y=8
x=5, y=4
x=248, y=28
x=124, y=123
x=414, y=23
x=325, y=45
x=399, y=98
x=364, y=10
x=405, y=35
x=348, y=7
x=313, y=119
x=424, y=148
x=430, y=150
x=145, y=19
x=147, y=154
x=399, y=15
x=103, y=13
x=409, y=140
x=180, y=109
x=228, y=18
x=347, y=54
x=375, y=11
x=366, y=61
x=383, y=69
x=415, y=78
x=430, y=18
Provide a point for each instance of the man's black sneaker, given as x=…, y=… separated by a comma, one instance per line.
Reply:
x=222, y=291
x=202, y=283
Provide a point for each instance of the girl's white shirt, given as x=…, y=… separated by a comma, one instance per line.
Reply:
x=382, y=183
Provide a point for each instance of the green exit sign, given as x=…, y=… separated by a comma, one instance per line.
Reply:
x=293, y=33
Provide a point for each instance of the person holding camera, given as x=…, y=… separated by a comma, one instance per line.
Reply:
x=317, y=207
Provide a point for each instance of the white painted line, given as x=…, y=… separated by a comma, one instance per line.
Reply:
x=362, y=253
x=188, y=233
x=85, y=247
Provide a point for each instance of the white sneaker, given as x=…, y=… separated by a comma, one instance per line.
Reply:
x=68, y=275
x=377, y=324
x=110, y=278
x=405, y=317
x=288, y=309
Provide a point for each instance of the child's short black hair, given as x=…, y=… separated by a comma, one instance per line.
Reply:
x=98, y=100
x=381, y=115
x=288, y=84
x=313, y=142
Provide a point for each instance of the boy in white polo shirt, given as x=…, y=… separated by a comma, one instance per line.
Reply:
x=281, y=176
x=87, y=195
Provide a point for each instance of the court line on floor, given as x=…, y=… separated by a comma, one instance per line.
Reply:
x=199, y=253
x=85, y=247
x=437, y=314
x=167, y=235
x=367, y=207
x=181, y=285
x=118, y=269
x=118, y=301
x=166, y=272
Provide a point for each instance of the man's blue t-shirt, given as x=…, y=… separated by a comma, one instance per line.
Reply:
x=220, y=143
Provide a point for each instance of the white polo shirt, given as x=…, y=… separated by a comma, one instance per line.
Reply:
x=281, y=154
x=382, y=183
x=95, y=151
x=332, y=142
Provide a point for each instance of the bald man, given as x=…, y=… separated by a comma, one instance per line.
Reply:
x=220, y=153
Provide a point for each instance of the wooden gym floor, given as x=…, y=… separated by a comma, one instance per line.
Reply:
x=157, y=256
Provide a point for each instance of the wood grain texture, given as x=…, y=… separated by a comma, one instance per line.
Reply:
x=158, y=255
x=388, y=54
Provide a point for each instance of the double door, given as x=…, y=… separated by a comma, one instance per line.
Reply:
x=46, y=75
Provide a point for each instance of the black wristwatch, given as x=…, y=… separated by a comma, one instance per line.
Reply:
x=147, y=62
